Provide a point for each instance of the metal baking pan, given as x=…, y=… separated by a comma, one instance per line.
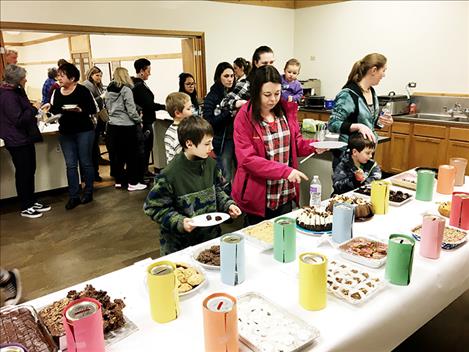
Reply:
x=287, y=318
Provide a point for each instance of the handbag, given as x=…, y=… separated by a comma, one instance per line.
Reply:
x=103, y=115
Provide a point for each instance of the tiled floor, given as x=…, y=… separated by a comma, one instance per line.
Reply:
x=67, y=247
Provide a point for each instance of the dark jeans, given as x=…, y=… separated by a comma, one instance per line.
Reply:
x=24, y=159
x=99, y=130
x=124, y=153
x=147, y=144
x=226, y=160
x=78, y=148
x=269, y=214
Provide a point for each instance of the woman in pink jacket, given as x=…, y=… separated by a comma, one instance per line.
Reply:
x=267, y=145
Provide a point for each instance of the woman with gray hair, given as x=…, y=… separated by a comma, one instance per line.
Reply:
x=19, y=131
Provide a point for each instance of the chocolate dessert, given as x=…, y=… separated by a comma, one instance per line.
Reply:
x=394, y=196
x=314, y=220
x=363, y=208
x=218, y=218
x=113, y=317
x=209, y=217
x=210, y=256
x=18, y=324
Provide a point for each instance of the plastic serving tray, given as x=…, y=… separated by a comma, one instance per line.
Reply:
x=394, y=204
x=370, y=262
x=257, y=242
x=295, y=330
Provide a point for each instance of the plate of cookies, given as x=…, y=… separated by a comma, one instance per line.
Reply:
x=189, y=278
x=209, y=219
x=208, y=256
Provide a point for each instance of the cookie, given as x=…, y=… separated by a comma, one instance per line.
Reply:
x=184, y=288
x=195, y=280
x=189, y=272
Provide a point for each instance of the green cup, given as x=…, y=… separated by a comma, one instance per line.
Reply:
x=284, y=240
x=400, y=258
x=425, y=182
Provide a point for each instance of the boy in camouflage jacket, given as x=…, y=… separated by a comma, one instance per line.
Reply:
x=190, y=185
x=356, y=167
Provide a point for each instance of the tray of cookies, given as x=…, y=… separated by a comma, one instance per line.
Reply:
x=364, y=251
x=261, y=234
x=351, y=284
x=189, y=278
x=265, y=326
x=21, y=324
x=452, y=236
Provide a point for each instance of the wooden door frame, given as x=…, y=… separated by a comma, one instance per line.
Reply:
x=76, y=29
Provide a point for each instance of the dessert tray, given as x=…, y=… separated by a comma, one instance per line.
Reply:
x=261, y=234
x=21, y=324
x=396, y=197
x=207, y=256
x=452, y=236
x=313, y=222
x=209, y=219
x=364, y=251
x=351, y=284
x=264, y=326
x=363, y=208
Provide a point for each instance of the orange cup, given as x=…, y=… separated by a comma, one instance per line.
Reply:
x=446, y=176
x=460, y=165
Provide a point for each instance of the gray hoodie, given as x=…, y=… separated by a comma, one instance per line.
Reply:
x=121, y=107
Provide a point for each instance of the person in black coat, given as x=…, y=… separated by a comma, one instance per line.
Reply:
x=144, y=99
x=221, y=119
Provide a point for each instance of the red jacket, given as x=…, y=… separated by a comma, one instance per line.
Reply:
x=249, y=184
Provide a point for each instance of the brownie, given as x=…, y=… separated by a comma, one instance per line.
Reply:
x=21, y=326
x=217, y=218
x=209, y=217
x=113, y=317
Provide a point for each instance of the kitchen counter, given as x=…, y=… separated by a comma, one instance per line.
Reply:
x=414, y=119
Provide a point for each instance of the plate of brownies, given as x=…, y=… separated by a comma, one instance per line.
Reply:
x=209, y=219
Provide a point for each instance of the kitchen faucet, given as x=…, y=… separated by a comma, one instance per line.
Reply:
x=456, y=109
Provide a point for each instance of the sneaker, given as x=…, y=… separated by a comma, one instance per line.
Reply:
x=12, y=288
x=31, y=213
x=72, y=203
x=118, y=185
x=137, y=187
x=41, y=207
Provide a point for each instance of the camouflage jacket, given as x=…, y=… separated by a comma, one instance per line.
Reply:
x=186, y=188
x=343, y=179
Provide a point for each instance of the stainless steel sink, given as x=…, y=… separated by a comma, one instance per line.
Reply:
x=435, y=117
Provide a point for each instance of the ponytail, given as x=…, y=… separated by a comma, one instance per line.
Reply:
x=361, y=67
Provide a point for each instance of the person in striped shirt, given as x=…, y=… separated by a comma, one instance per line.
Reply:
x=179, y=106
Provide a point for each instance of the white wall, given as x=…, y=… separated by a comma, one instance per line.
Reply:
x=231, y=30
x=424, y=41
x=164, y=73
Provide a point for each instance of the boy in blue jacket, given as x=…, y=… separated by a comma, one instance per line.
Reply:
x=356, y=168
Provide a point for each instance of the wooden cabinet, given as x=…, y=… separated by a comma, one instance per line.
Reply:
x=322, y=116
x=427, y=152
x=399, y=151
x=383, y=151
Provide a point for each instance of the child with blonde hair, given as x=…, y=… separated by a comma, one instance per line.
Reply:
x=179, y=106
x=291, y=87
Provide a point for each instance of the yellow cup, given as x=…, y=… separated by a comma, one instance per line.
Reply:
x=162, y=289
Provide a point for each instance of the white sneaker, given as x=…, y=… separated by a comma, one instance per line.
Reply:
x=31, y=213
x=118, y=185
x=41, y=208
x=137, y=187
x=12, y=288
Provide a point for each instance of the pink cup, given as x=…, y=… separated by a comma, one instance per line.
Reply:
x=433, y=228
x=445, y=183
x=460, y=165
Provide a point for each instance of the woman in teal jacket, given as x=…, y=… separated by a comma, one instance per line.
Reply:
x=356, y=106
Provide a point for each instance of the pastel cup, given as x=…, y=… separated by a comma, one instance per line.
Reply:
x=460, y=164
x=446, y=177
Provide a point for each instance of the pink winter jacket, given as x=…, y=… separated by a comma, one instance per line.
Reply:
x=249, y=184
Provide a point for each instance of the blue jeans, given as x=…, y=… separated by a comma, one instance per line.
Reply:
x=225, y=157
x=78, y=147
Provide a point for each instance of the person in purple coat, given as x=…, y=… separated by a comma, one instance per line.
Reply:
x=291, y=87
x=19, y=131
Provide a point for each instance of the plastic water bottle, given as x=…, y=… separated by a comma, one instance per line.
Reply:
x=386, y=110
x=315, y=192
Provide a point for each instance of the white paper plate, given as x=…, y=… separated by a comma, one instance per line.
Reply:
x=69, y=106
x=328, y=145
x=201, y=220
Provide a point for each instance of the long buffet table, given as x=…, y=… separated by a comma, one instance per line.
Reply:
x=379, y=324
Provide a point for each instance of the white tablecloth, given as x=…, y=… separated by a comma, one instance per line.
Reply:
x=379, y=324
